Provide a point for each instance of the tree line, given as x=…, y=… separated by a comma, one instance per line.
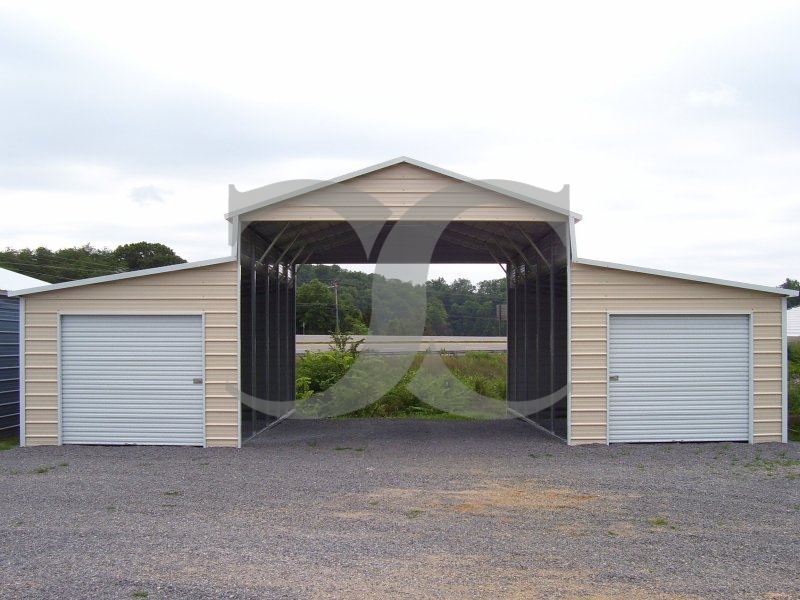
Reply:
x=457, y=308
x=80, y=262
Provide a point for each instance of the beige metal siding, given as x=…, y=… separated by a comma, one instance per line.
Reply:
x=596, y=291
x=397, y=188
x=210, y=290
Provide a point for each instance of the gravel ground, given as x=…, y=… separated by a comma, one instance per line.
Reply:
x=401, y=509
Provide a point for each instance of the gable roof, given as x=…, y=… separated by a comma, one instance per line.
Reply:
x=126, y=275
x=11, y=280
x=268, y=195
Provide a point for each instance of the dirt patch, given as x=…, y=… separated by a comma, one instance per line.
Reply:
x=493, y=497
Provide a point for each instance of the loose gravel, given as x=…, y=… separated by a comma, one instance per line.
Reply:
x=401, y=509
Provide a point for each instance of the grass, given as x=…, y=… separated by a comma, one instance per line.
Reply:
x=173, y=493
x=414, y=513
x=140, y=594
x=9, y=442
x=759, y=463
x=658, y=521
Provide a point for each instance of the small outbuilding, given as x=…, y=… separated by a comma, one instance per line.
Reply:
x=793, y=324
x=597, y=352
x=9, y=347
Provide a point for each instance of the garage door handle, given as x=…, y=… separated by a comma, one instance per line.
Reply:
x=197, y=380
x=613, y=378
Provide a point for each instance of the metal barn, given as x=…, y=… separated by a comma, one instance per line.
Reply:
x=597, y=352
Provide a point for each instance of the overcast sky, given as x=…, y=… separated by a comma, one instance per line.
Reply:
x=676, y=126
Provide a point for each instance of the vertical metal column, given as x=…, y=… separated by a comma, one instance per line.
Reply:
x=274, y=335
x=292, y=319
x=511, y=336
x=523, y=378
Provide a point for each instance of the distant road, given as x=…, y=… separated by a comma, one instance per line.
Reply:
x=389, y=344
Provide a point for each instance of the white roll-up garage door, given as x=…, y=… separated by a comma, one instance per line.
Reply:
x=132, y=379
x=678, y=378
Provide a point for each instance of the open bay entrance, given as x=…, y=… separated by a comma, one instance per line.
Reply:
x=533, y=255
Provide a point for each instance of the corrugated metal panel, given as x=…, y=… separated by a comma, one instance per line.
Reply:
x=132, y=379
x=793, y=322
x=9, y=363
x=680, y=378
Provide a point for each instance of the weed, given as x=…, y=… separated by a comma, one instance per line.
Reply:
x=759, y=463
x=110, y=508
x=312, y=443
x=168, y=505
x=340, y=448
x=612, y=533
x=140, y=594
x=42, y=470
x=532, y=455
x=173, y=493
x=414, y=513
x=63, y=464
x=658, y=521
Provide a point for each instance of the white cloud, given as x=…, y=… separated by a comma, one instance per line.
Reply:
x=148, y=194
x=620, y=104
x=719, y=97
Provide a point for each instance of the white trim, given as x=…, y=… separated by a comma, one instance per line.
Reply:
x=569, y=343
x=750, y=382
x=681, y=313
x=59, y=358
x=608, y=374
x=784, y=374
x=22, y=360
x=674, y=275
x=205, y=379
x=132, y=313
x=396, y=161
x=126, y=275
x=573, y=243
x=238, y=337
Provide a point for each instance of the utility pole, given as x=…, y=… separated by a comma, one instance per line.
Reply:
x=336, y=297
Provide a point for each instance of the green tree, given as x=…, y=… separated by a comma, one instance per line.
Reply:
x=145, y=255
x=62, y=265
x=315, y=308
x=436, y=318
x=791, y=284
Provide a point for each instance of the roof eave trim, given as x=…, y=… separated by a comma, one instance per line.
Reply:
x=126, y=275
x=675, y=275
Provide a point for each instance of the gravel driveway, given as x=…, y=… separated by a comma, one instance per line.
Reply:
x=401, y=509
